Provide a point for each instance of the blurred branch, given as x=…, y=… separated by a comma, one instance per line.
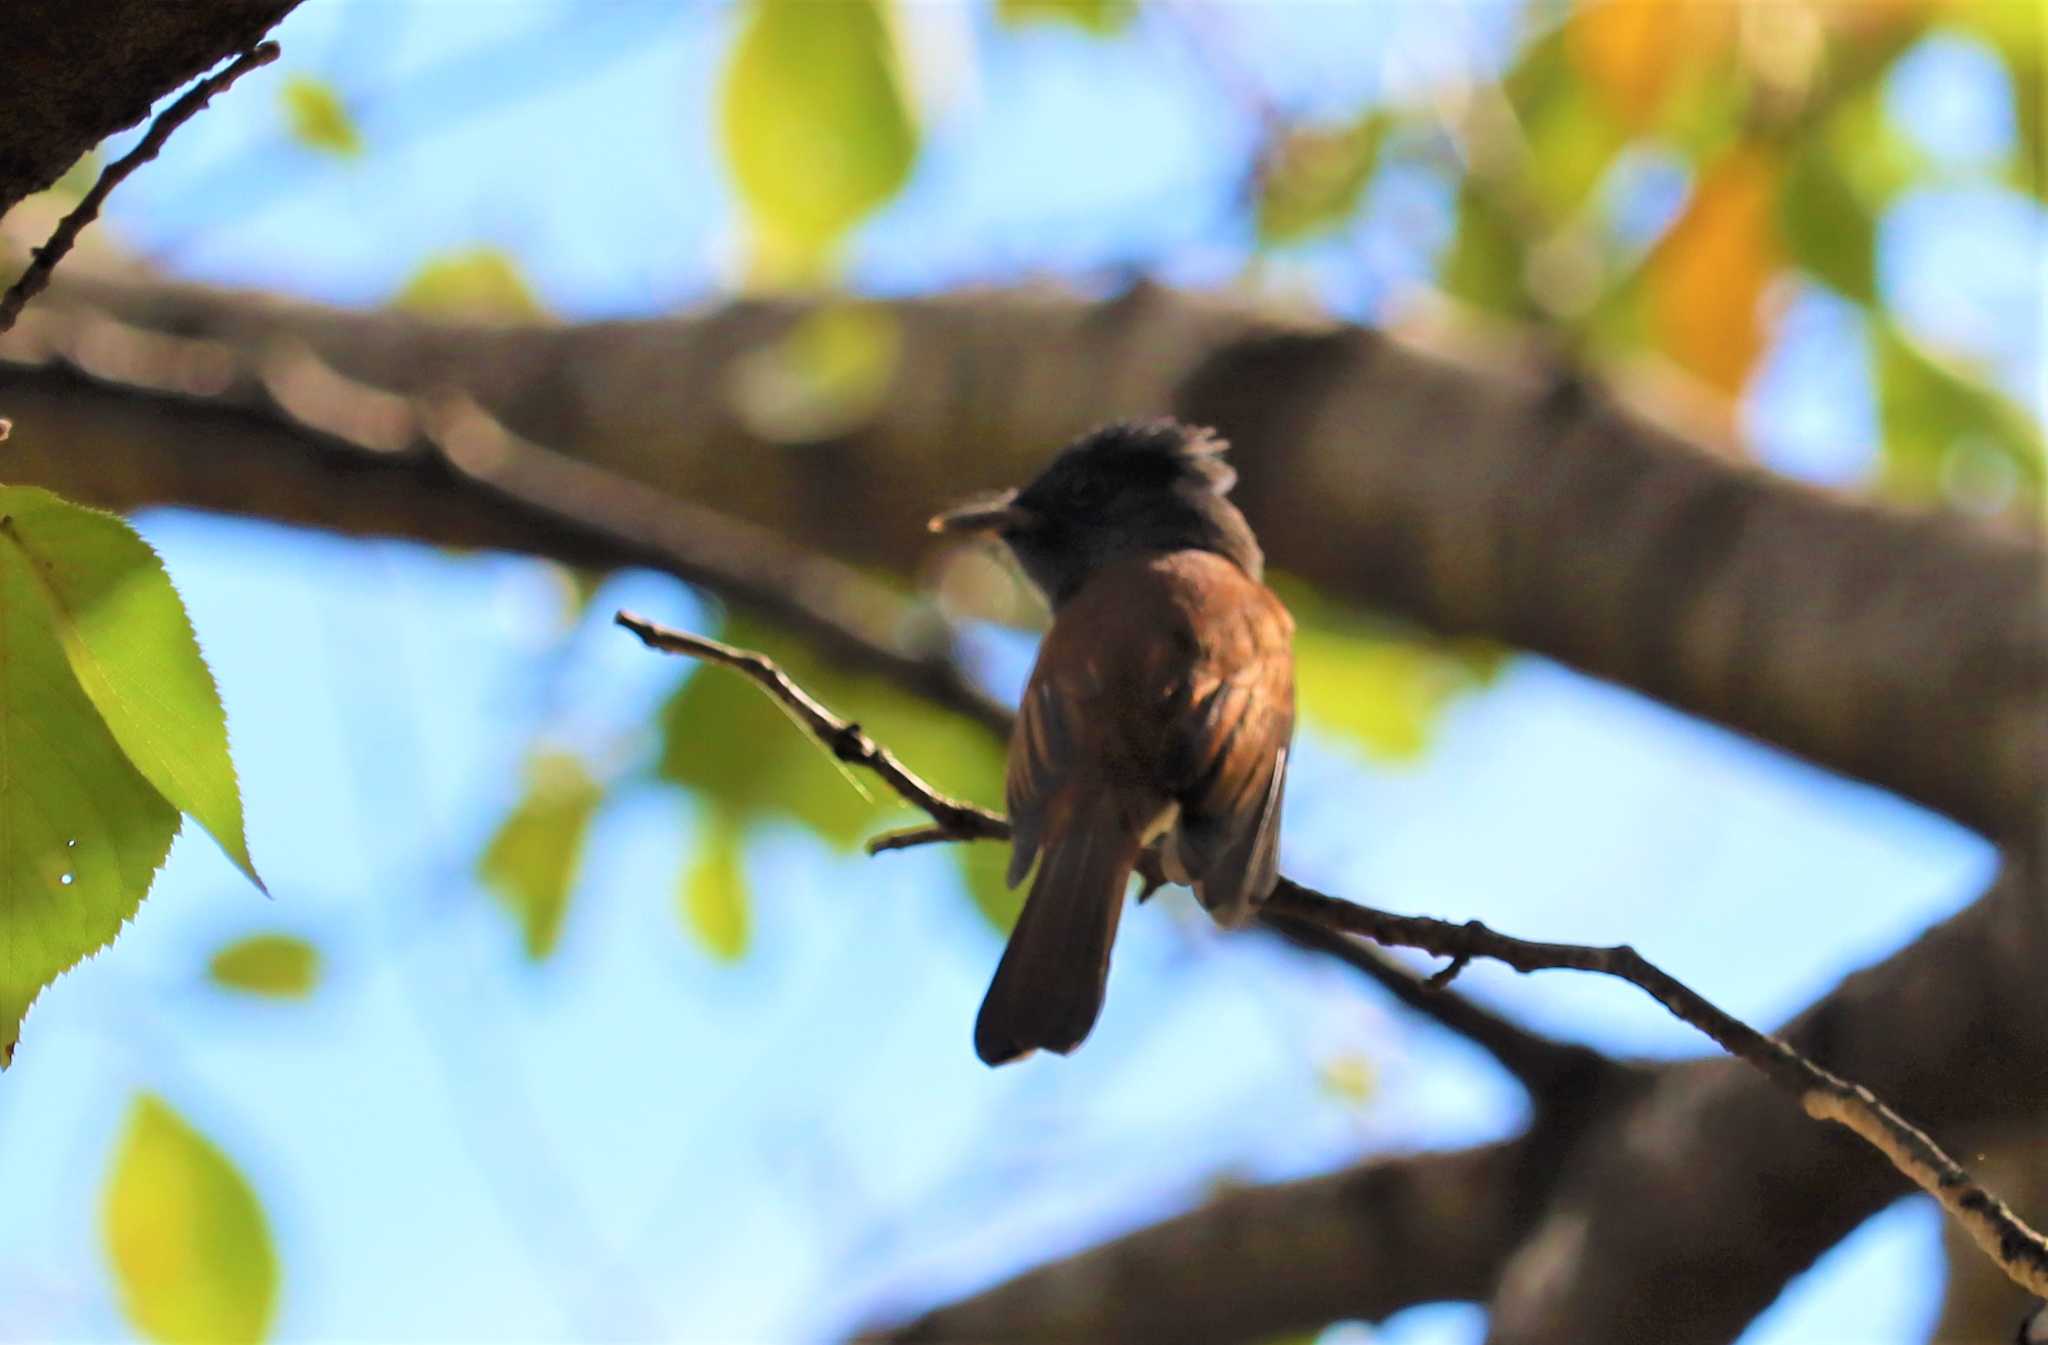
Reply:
x=2002, y=1235
x=44, y=262
x=1912, y=652
x=1258, y=1263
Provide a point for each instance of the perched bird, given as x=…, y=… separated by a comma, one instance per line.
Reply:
x=1161, y=709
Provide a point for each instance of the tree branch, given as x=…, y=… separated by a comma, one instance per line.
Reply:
x=1909, y=651
x=31, y=281
x=2020, y=1251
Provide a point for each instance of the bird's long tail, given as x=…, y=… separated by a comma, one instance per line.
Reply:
x=1048, y=988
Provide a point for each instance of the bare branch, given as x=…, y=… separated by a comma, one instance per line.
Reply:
x=31, y=281
x=2019, y=1250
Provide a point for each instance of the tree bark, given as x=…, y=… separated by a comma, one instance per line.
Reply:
x=77, y=71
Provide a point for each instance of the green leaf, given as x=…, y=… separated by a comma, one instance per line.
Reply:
x=318, y=118
x=1483, y=265
x=476, y=284
x=1100, y=17
x=1313, y=178
x=192, y=1255
x=531, y=863
x=1380, y=686
x=816, y=126
x=130, y=646
x=827, y=377
x=714, y=895
x=1939, y=420
x=1570, y=137
x=282, y=966
x=1829, y=229
x=81, y=831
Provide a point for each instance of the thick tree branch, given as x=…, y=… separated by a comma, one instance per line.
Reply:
x=32, y=280
x=1266, y=1261
x=1912, y=652
x=2003, y=1236
x=76, y=71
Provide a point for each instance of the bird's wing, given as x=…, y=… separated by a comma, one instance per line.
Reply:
x=1230, y=745
x=1165, y=681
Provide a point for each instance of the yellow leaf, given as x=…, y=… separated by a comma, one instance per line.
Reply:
x=715, y=891
x=531, y=863
x=476, y=283
x=318, y=118
x=279, y=965
x=192, y=1255
x=1706, y=277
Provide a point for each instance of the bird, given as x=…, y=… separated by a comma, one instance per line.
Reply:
x=1160, y=709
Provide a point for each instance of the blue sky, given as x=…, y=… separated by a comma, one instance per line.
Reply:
x=635, y=1141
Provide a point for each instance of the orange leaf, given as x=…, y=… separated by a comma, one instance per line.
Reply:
x=1707, y=277
x=1633, y=51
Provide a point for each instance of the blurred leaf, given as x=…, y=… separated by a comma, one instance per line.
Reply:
x=714, y=895
x=192, y=1255
x=2018, y=31
x=131, y=648
x=531, y=863
x=1938, y=420
x=1381, y=687
x=1706, y=277
x=280, y=965
x=724, y=737
x=1874, y=158
x=1624, y=50
x=1484, y=266
x=1100, y=17
x=1313, y=177
x=318, y=118
x=1827, y=229
x=816, y=126
x=1569, y=136
x=79, y=178
x=1350, y=1078
x=476, y=283
x=826, y=378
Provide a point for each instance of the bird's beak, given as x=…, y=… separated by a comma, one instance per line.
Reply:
x=997, y=514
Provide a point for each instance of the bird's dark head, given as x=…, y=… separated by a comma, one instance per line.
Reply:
x=1129, y=489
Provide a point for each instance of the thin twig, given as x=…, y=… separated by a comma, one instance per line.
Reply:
x=44, y=261
x=2020, y=1251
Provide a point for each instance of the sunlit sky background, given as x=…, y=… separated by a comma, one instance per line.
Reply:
x=633, y=1141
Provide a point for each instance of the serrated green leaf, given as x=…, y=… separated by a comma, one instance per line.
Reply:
x=531, y=863
x=816, y=127
x=475, y=283
x=1936, y=417
x=130, y=646
x=1314, y=176
x=714, y=892
x=191, y=1251
x=1100, y=17
x=82, y=833
x=1828, y=229
x=318, y=118
x=282, y=966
